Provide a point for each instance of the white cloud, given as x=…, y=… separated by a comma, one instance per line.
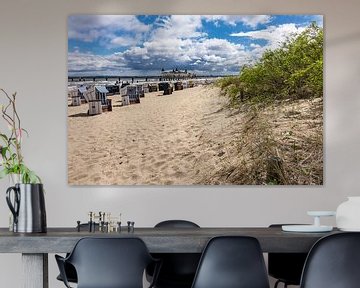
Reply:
x=178, y=26
x=176, y=41
x=92, y=27
x=254, y=20
x=253, y=46
x=214, y=50
x=215, y=55
x=85, y=62
x=219, y=54
x=275, y=35
x=122, y=41
x=250, y=20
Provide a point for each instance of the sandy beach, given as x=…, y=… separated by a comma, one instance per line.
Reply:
x=177, y=139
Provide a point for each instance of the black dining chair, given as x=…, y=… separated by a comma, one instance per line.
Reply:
x=285, y=267
x=232, y=262
x=178, y=269
x=108, y=263
x=70, y=271
x=333, y=262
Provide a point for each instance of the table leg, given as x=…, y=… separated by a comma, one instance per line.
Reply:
x=35, y=270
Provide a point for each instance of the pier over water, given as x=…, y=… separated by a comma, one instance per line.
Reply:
x=133, y=79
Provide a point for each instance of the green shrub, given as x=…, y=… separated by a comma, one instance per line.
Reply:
x=295, y=71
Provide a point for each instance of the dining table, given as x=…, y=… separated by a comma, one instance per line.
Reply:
x=35, y=247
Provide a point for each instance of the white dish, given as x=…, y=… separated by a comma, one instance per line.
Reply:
x=306, y=228
x=321, y=213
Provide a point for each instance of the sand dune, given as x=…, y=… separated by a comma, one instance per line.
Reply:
x=177, y=139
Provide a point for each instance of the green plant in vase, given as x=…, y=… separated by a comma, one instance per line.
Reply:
x=11, y=158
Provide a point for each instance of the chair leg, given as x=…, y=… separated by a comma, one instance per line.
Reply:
x=277, y=283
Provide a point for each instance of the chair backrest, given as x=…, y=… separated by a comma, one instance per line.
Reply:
x=110, y=262
x=333, y=262
x=176, y=224
x=232, y=262
x=178, y=269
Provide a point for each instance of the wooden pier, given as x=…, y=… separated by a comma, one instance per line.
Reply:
x=133, y=79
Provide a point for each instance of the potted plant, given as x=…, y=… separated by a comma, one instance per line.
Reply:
x=26, y=197
x=11, y=159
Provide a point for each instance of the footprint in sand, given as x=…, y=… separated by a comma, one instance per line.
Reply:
x=134, y=177
x=159, y=164
x=79, y=177
x=164, y=156
x=190, y=158
x=132, y=167
x=97, y=179
x=108, y=173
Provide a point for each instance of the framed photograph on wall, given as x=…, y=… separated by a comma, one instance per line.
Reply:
x=195, y=100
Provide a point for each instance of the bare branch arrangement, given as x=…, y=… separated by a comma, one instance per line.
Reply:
x=12, y=161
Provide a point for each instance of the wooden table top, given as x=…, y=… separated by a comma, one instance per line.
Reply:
x=158, y=240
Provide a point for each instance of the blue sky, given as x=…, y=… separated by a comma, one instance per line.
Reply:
x=144, y=44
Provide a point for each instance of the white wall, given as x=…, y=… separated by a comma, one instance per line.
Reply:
x=33, y=62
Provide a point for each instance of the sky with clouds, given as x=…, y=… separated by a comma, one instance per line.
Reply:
x=127, y=45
